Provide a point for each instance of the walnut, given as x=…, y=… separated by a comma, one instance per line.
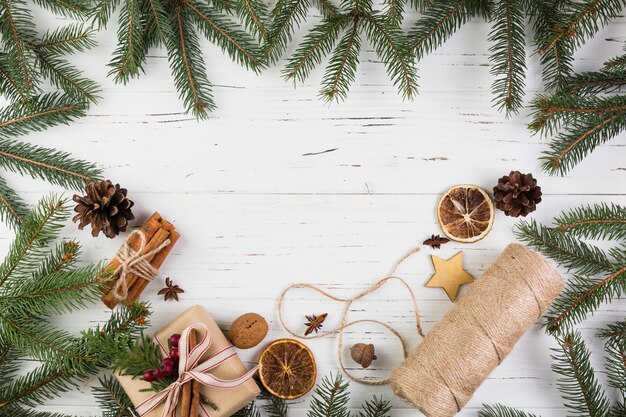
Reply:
x=248, y=330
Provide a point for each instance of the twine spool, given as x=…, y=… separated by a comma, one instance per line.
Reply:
x=443, y=372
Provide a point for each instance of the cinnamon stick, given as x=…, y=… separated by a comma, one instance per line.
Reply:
x=149, y=228
x=159, y=237
x=186, y=394
x=137, y=287
x=194, y=411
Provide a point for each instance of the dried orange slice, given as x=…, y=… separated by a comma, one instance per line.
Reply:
x=287, y=369
x=465, y=213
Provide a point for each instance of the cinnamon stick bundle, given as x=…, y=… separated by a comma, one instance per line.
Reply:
x=156, y=230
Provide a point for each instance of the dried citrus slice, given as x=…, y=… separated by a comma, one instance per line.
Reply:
x=287, y=369
x=465, y=213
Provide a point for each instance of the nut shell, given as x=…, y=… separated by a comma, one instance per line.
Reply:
x=248, y=330
x=363, y=354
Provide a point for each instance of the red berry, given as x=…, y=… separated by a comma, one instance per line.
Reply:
x=174, y=340
x=158, y=374
x=174, y=354
x=167, y=361
x=148, y=376
x=167, y=370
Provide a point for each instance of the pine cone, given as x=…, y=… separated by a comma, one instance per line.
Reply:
x=517, y=194
x=105, y=207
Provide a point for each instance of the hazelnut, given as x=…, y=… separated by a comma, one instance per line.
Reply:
x=363, y=354
x=248, y=330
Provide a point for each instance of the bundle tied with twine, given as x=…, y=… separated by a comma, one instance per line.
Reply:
x=443, y=372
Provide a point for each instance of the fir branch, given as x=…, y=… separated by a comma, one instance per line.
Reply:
x=595, y=82
x=51, y=165
x=187, y=65
x=570, y=147
x=36, y=337
x=45, y=111
x=615, y=347
x=275, y=407
x=61, y=258
x=376, y=407
x=128, y=58
x=391, y=46
x=617, y=63
x=254, y=15
x=157, y=29
x=38, y=386
x=508, y=55
x=547, y=17
x=55, y=292
x=440, y=21
x=582, y=296
x=582, y=258
x=9, y=366
x=240, y=46
x=316, y=44
x=341, y=69
x=18, y=32
x=67, y=40
x=394, y=10
x=112, y=398
x=66, y=77
x=579, y=387
x=330, y=398
x=562, y=110
x=498, y=410
x=101, y=12
x=71, y=8
x=13, y=210
x=584, y=21
x=27, y=251
x=286, y=16
x=10, y=86
x=600, y=221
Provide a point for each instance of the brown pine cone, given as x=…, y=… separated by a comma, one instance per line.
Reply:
x=105, y=207
x=517, y=194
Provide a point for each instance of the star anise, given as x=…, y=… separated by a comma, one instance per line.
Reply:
x=436, y=241
x=314, y=323
x=171, y=291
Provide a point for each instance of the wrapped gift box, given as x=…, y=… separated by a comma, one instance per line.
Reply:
x=228, y=401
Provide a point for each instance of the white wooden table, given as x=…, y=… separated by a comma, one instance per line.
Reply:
x=277, y=188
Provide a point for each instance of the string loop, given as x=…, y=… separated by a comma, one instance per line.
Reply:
x=344, y=324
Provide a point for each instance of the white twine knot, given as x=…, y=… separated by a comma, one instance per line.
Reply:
x=133, y=262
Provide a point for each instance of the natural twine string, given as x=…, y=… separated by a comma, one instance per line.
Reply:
x=344, y=324
x=133, y=262
x=457, y=355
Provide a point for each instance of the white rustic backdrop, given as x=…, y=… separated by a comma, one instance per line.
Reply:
x=277, y=187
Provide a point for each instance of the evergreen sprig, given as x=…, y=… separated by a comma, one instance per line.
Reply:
x=36, y=283
x=27, y=59
x=356, y=19
x=51, y=165
x=112, y=398
x=508, y=54
x=599, y=275
x=586, y=112
x=175, y=24
x=579, y=387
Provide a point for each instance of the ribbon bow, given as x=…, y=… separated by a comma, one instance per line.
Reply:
x=188, y=369
x=134, y=262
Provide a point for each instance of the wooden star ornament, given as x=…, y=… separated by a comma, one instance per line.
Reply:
x=449, y=275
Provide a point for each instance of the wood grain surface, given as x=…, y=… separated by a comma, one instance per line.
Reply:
x=277, y=188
